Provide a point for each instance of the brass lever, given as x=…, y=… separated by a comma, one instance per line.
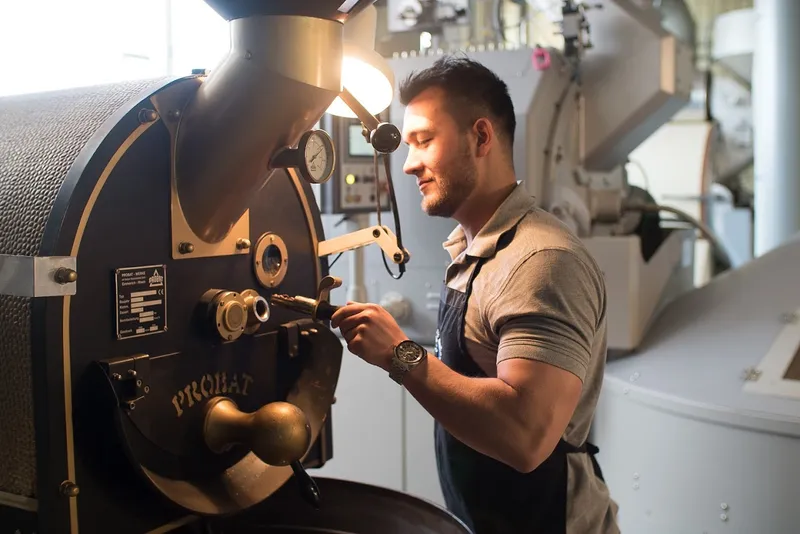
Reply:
x=278, y=433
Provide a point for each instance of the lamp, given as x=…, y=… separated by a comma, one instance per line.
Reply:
x=365, y=73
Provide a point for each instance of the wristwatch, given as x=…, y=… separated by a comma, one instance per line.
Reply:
x=407, y=355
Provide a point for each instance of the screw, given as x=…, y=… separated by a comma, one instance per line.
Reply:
x=304, y=333
x=138, y=383
x=724, y=505
x=248, y=55
x=636, y=486
x=789, y=318
x=242, y=243
x=626, y=391
x=69, y=489
x=174, y=114
x=186, y=248
x=376, y=233
x=636, y=476
x=723, y=517
x=116, y=376
x=131, y=405
x=64, y=275
x=634, y=377
x=312, y=330
x=132, y=372
x=147, y=389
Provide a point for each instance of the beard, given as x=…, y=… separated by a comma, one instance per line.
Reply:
x=452, y=185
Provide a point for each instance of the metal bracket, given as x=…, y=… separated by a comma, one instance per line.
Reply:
x=360, y=238
x=38, y=276
x=128, y=375
x=291, y=334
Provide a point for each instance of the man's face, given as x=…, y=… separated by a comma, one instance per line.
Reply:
x=439, y=154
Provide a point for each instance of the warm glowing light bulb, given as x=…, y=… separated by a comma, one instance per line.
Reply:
x=366, y=74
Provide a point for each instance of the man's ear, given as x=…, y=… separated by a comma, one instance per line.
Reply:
x=484, y=135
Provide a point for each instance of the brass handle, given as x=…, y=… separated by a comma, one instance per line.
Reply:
x=278, y=433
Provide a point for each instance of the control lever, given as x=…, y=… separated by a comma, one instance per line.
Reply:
x=318, y=309
x=278, y=433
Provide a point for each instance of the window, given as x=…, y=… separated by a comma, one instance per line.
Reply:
x=52, y=45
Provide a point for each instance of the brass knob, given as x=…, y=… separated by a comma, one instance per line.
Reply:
x=278, y=433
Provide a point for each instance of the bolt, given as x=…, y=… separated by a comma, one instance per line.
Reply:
x=186, y=248
x=304, y=333
x=174, y=114
x=116, y=376
x=147, y=115
x=724, y=505
x=131, y=405
x=132, y=372
x=636, y=476
x=64, y=275
x=138, y=383
x=398, y=257
x=636, y=485
x=242, y=243
x=312, y=330
x=723, y=517
x=147, y=389
x=634, y=377
x=69, y=489
x=376, y=233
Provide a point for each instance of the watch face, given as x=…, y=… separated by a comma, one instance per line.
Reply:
x=409, y=352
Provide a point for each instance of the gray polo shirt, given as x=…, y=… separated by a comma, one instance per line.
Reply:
x=540, y=296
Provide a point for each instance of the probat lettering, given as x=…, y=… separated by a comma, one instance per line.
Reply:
x=208, y=386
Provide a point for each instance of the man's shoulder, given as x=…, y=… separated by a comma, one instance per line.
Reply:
x=540, y=231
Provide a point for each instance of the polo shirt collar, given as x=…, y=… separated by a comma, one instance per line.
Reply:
x=507, y=215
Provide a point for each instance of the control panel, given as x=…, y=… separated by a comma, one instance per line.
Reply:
x=354, y=186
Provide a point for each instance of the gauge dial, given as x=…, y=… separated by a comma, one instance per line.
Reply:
x=318, y=156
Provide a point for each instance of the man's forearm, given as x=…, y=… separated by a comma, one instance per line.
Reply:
x=484, y=413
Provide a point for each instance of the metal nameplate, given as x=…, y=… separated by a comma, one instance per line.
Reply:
x=140, y=301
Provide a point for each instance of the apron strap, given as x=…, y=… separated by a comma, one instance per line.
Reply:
x=589, y=448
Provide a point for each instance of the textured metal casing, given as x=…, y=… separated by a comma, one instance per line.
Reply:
x=41, y=136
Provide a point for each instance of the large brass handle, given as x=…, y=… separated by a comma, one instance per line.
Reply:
x=278, y=433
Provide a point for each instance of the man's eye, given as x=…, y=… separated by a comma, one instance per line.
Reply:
x=424, y=142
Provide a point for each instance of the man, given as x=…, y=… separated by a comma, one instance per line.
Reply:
x=521, y=339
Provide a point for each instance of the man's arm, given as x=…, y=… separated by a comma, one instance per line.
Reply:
x=516, y=418
x=545, y=318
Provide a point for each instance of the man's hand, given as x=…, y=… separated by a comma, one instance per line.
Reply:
x=370, y=331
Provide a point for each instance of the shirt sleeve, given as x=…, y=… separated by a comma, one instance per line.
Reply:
x=549, y=310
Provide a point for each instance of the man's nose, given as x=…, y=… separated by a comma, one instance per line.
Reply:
x=412, y=164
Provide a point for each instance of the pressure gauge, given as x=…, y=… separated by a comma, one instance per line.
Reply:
x=314, y=157
x=319, y=156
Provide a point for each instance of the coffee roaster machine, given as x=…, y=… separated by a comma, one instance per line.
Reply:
x=148, y=382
